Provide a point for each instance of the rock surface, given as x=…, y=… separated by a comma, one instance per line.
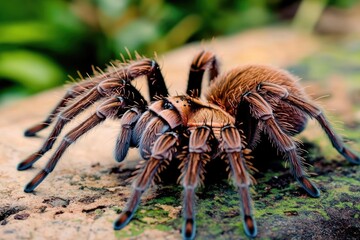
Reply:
x=87, y=189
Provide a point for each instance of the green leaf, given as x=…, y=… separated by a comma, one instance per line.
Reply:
x=34, y=71
x=27, y=32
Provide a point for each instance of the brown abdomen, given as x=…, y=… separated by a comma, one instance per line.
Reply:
x=227, y=89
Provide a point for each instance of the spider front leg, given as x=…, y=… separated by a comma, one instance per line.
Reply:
x=108, y=87
x=232, y=146
x=314, y=112
x=192, y=171
x=154, y=128
x=143, y=67
x=72, y=93
x=66, y=115
x=109, y=108
x=163, y=150
x=151, y=69
x=262, y=111
x=128, y=121
x=202, y=61
x=123, y=141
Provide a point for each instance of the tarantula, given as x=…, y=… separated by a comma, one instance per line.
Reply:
x=240, y=105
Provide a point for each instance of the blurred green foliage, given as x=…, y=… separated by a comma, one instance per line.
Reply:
x=41, y=41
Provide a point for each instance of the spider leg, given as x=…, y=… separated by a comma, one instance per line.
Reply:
x=140, y=127
x=142, y=67
x=154, y=128
x=128, y=121
x=262, y=111
x=108, y=87
x=247, y=123
x=69, y=113
x=151, y=69
x=123, y=141
x=72, y=93
x=192, y=171
x=202, y=61
x=314, y=112
x=231, y=145
x=157, y=87
x=109, y=108
x=163, y=149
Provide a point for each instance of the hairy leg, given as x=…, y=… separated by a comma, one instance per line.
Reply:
x=202, y=61
x=262, y=111
x=129, y=120
x=78, y=89
x=72, y=93
x=143, y=67
x=247, y=123
x=109, y=87
x=192, y=171
x=129, y=94
x=315, y=112
x=232, y=146
x=123, y=141
x=154, y=128
x=163, y=150
x=109, y=108
x=140, y=127
x=139, y=68
x=69, y=113
x=151, y=69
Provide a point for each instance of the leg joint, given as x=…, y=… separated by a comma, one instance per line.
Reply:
x=68, y=139
x=100, y=114
x=63, y=118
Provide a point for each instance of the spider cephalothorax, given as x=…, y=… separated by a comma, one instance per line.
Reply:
x=239, y=106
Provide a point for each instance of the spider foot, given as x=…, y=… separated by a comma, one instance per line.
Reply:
x=31, y=132
x=123, y=220
x=36, y=181
x=23, y=166
x=350, y=156
x=250, y=226
x=308, y=186
x=189, y=229
x=28, y=162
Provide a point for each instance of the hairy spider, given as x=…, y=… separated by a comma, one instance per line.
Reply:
x=240, y=105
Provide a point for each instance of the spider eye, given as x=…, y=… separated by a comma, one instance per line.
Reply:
x=168, y=105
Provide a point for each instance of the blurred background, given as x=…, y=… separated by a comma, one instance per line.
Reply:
x=44, y=42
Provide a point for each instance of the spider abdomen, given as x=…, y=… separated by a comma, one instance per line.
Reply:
x=227, y=91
